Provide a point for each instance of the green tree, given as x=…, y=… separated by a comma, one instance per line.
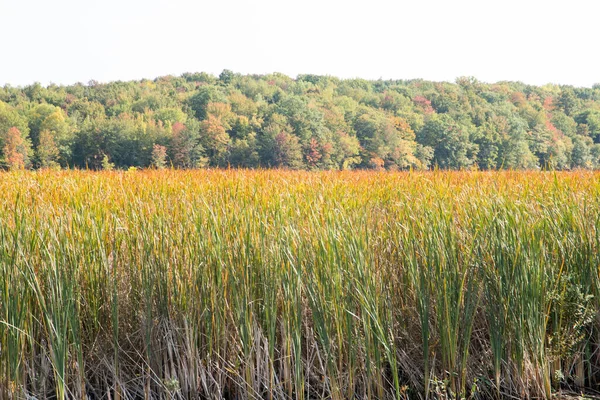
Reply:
x=514, y=151
x=346, y=151
x=386, y=137
x=47, y=151
x=226, y=76
x=243, y=152
x=450, y=141
x=591, y=119
x=567, y=101
x=9, y=118
x=581, y=156
x=204, y=95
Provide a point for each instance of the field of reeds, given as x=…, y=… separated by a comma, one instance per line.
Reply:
x=297, y=285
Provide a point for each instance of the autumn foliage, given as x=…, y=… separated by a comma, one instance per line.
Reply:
x=309, y=122
x=14, y=149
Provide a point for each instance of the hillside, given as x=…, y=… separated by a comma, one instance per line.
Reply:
x=312, y=122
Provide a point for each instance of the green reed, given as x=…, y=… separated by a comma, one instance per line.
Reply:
x=297, y=285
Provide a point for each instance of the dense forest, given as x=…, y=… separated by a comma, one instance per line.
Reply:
x=311, y=122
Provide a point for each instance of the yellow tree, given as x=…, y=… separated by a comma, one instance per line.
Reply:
x=47, y=150
x=215, y=138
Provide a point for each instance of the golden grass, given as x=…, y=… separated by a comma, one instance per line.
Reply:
x=282, y=284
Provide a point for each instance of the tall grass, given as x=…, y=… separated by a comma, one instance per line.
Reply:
x=297, y=285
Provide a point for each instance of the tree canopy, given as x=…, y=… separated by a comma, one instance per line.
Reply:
x=311, y=122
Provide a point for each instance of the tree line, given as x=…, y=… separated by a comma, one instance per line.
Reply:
x=311, y=122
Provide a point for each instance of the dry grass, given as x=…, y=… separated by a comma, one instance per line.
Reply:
x=279, y=284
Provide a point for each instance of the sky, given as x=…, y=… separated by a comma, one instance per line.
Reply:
x=532, y=41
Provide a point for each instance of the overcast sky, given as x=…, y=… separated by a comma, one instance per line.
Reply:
x=68, y=41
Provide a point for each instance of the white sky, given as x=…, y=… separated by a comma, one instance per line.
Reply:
x=533, y=41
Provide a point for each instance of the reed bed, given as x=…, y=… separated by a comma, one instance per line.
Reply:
x=296, y=285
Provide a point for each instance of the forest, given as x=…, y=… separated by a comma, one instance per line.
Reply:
x=310, y=123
